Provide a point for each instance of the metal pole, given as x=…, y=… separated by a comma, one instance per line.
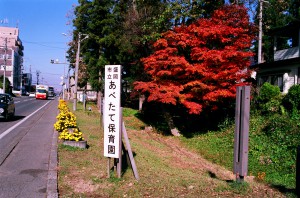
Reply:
x=76, y=74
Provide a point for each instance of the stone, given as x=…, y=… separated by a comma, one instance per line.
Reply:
x=79, y=144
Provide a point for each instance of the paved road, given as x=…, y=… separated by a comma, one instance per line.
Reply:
x=30, y=169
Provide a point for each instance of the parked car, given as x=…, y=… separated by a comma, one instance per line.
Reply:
x=7, y=106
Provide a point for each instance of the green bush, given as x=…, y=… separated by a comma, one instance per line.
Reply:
x=269, y=99
x=291, y=100
x=268, y=92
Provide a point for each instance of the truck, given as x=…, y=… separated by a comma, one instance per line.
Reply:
x=41, y=92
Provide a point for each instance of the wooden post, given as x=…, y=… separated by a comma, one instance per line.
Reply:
x=108, y=167
x=241, y=135
x=133, y=165
x=119, y=163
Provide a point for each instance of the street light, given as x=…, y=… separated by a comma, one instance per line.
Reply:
x=52, y=61
x=76, y=68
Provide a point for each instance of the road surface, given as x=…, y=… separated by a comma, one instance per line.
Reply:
x=25, y=148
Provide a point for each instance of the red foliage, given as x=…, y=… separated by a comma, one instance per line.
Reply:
x=200, y=64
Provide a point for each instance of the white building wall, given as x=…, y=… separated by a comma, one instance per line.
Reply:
x=15, y=47
x=289, y=79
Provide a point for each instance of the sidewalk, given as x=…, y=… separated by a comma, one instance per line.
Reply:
x=31, y=168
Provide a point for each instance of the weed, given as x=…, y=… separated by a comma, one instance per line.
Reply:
x=70, y=148
x=114, y=179
x=96, y=180
x=127, y=112
x=261, y=176
x=93, y=137
x=240, y=187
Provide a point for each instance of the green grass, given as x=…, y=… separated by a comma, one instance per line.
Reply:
x=214, y=146
x=275, y=161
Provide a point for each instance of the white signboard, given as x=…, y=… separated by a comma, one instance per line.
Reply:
x=112, y=103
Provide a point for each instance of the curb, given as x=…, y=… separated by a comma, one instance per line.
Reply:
x=52, y=191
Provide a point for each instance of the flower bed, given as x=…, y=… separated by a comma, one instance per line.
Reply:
x=66, y=125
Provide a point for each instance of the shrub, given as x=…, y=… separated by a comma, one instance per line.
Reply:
x=268, y=92
x=291, y=100
x=270, y=99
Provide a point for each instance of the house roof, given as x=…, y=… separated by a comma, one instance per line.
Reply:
x=275, y=64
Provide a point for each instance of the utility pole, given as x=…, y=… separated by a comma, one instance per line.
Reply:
x=259, y=32
x=4, y=66
x=76, y=69
x=260, y=16
x=63, y=84
x=21, y=82
x=37, y=77
x=64, y=80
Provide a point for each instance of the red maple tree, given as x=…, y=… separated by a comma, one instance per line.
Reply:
x=199, y=65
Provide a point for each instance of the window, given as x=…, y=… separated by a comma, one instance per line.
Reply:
x=275, y=79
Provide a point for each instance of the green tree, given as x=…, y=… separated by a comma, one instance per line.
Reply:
x=276, y=13
x=98, y=19
x=143, y=22
x=7, y=84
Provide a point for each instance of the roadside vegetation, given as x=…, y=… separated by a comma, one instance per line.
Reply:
x=186, y=66
x=273, y=138
x=199, y=163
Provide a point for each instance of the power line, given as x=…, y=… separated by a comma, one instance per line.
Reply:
x=40, y=44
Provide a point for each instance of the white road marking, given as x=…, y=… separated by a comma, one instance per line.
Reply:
x=13, y=127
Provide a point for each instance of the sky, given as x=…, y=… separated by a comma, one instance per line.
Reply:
x=41, y=26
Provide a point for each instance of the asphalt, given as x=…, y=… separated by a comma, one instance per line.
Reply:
x=31, y=168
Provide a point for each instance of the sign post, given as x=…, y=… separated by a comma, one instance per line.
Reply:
x=241, y=135
x=112, y=113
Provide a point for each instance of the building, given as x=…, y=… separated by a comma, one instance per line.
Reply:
x=11, y=56
x=91, y=95
x=284, y=70
x=26, y=82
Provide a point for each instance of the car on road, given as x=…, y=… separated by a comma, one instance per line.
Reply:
x=32, y=94
x=7, y=106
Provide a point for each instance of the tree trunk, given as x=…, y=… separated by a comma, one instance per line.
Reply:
x=99, y=101
x=168, y=117
x=141, y=101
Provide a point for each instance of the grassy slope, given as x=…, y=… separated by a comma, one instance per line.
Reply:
x=217, y=146
x=166, y=167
